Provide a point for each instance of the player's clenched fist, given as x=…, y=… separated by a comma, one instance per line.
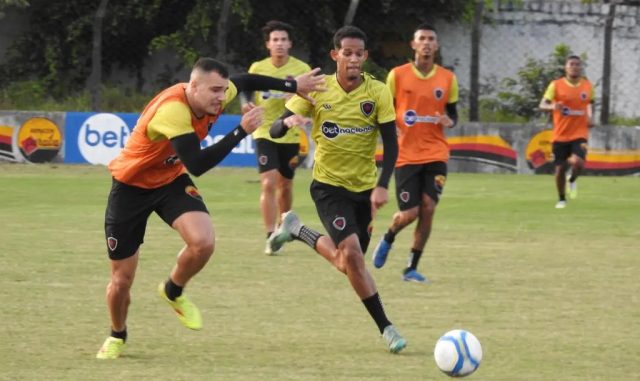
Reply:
x=252, y=119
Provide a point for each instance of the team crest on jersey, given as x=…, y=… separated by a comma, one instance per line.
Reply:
x=193, y=192
x=438, y=93
x=404, y=196
x=112, y=243
x=339, y=223
x=263, y=159
x=583, y=96
x=439, y=182
x=367, y=107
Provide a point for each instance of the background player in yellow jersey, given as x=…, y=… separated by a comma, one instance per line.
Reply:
x=425, y=96
x=569, y=99
x=150, y=175
x=346, y=122
x=277, y=158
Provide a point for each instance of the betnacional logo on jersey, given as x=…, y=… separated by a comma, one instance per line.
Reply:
x=438, y=93
x=566, y=111
x=330, y=130
x=410, y=118
x=339, y=223
x=367, y=107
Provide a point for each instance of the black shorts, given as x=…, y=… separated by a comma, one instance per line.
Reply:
x=129, y=208
x=343, y=212
x=412, y=180
x=563, y=150
x=280, y=156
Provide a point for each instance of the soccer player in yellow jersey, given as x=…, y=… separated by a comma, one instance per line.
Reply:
x=425, y=96
x=347, y=120
x=569, y=99
x=277, y=158
x=150, y=175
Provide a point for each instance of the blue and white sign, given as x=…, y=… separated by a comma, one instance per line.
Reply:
x=97, y=138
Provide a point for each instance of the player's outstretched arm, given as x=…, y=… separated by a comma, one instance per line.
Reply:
x=286, y=121
x=308, y=82
x=380, y=196
x=198, y=161
x=302, y=84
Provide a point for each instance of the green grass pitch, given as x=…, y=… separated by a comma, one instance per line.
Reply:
x=551, y=294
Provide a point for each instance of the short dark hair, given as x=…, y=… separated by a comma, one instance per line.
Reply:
x=208, y=65
x=573, y=57
x=425, y=26
x=272, y=25
x=348, y=31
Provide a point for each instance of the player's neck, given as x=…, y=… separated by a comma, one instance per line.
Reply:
x=424, y=64
x=573, y=80
x=348, y=84
x=279, y=61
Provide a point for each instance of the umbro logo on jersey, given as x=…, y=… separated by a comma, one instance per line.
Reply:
x=367, y=107
x=326, y=106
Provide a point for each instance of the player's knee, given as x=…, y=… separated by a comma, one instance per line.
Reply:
x=120, y=283
x=352, y=259
x=202, y=247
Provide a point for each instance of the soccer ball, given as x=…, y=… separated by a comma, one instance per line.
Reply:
x=458, y=353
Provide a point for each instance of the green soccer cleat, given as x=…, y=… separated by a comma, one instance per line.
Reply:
x=111, y=349
x=187, y=312
x=394, y=340
x=286, y=232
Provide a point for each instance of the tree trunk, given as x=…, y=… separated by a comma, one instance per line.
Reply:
x=475, y=62
x=606, y=65
x=221, y=35
x=95, y=78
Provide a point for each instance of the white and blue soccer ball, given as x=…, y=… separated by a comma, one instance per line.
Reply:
x=458, y=353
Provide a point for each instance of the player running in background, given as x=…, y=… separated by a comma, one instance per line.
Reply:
x=277, y=158
x=425, y=97
x=569, y=99
x=346, y=122
x=150, y=175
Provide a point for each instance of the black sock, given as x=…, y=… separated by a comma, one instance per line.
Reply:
x=389, y=236
x=269, y=234
x=562, y=198
x=309, y=236
x=172, y=290
x=414, y=258
x=120, y=335
x=376, y=310
x=573, y=177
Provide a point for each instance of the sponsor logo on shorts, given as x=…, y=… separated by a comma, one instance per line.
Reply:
x=404, y=196
x=367, y=107
x=193, y=192
x=339, y=223
x=263, y=159
x=439, y=182
x=112, y=243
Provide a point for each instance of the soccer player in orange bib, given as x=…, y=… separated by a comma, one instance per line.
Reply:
x=425, y=96
x=569, y=99
x=150, y=175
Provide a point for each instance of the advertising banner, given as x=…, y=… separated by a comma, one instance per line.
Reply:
x=96, y=138
x=31, y=137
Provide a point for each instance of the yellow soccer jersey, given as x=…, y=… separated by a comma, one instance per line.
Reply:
x=345, y=131
x=273, y=101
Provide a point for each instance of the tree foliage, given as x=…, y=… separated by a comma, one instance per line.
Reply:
x=521, y=96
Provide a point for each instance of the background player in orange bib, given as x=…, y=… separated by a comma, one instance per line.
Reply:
x=425, y=96
x=569, y=99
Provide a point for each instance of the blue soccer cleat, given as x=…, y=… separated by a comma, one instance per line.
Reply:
x=414, y=276
x=380, y=253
